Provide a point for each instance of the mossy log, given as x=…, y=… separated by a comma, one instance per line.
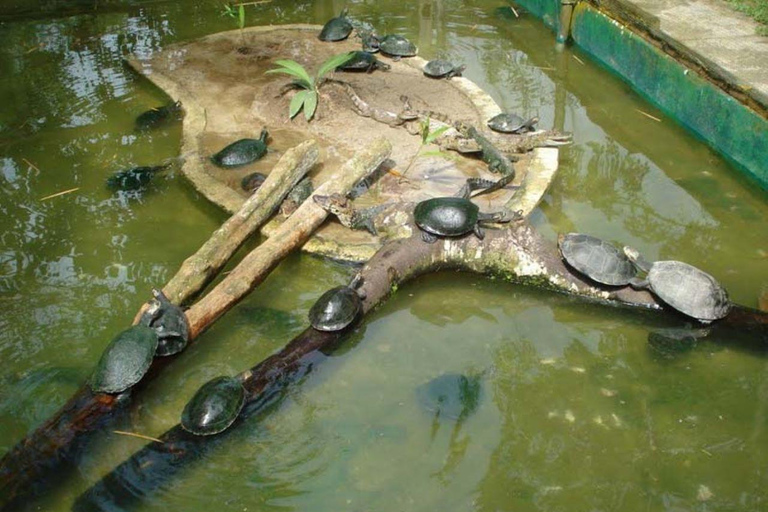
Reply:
x=518, y=253
x=60, y=438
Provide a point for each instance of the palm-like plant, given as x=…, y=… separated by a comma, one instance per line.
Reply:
x=306, y=98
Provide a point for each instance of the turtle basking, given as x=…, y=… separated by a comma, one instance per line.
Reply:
x=397, y=46
x=134, y=178
x=363, y=61
x=512, y=123
x=440, y=68
x=597, y=259
x=298, y=194
x=157, y=116
x=370, y=42
x=684, y=287
x=453, y=396
x=125, y=360
x=252, y=182
x=338, y=307
x=336, y=29
x=242, y=152
x=214, y=407
x=169, y=322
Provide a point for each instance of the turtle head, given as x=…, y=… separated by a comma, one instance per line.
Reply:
x=263, y=136
x=334, y=203
x=637, y=260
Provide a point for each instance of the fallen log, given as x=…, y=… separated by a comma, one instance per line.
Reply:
x=62, y=436
x=519, y=254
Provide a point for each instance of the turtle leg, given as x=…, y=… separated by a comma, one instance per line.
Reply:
x=479, y=232
x=428, y=237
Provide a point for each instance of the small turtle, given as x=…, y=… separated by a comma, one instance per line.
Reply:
x=252, y=182
x=439, y=68
x=684, y=287
x=125, y=360
x=338, y=307
x=453, y=396
x=242, y=152
x=597, y=259
x=671, y=342
x=364, y=61
x=453, y=217
x=512, y=123
x=337, y=29
x=169, y=322
x=397, y=46
x=297, y=196
x=370, y=42
x=134, y=178
x=157, y=116
x=214, y=407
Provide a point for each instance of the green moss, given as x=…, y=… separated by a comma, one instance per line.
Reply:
x=755, y=9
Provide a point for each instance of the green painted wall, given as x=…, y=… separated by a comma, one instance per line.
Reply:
x=722, y=121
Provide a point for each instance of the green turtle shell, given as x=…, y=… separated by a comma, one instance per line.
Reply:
x=363, y=61
x=451, y=396
x=125, y=360
x=597, y=259
x=689, y=290
x=252, y=182
x=242, y=152
x=134, y=178
x=335, y=309
x=214, y=407
x=438, y=68
x=157, y=116
x=397, y=46
x=446, y=216
x=336, y=29
x=510, y=123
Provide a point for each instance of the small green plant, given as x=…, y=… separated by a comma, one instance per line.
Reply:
x=306, y=98
x=238, y=14
x=428, y=137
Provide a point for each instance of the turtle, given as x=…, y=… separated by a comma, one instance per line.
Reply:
x=336, y=29
x=214, y=407
x=338, y=307
x=363, y=61
x=453, y=395
x=298, y=194
x=397, y=46
x=134, y=178
x=597, y=259
x=512, y=123
x=686, y=288
x=439, y=68
x=242, y=152
x=252, y=182
x=157, y=116
x=370, y=42
x=453, y=217
x=125, y=360
x=670, y=342
x=169, y=322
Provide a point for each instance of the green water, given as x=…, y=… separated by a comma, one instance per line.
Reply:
x=577, y=412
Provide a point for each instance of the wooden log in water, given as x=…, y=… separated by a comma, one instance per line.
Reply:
x=519, y=253
x=61, y=436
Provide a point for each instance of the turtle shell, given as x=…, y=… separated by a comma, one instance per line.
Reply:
x=337, y=29
x=252, y=182
x=446, y=216
x=241, y=152
x=451, y=396
x=362, y=61
x=597, y=259
x=214, y=407
x=508, y=123
x=689, y=290
x=397, y=46
x=157, y=116
x=335, y=309
x=438, y=68
x=125, y=360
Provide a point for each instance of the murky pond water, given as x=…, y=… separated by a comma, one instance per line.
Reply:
x=575, y=412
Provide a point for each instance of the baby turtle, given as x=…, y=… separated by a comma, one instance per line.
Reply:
x=134, y=178
x=214, y=407
x=453, y=396
x=439, y=68
x=363, y=61
x=252, y=182
x=242, y=152
x=397, y=46
x=684, y=287
x=337, y=29
x=597, y=259
x=157, y=116
x=453, y=217
x=169, y=322
x=512, y=123
x=338, y=307
x=125, y=360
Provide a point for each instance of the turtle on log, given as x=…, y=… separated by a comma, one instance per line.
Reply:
x=338, y=307
x=597, y=259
